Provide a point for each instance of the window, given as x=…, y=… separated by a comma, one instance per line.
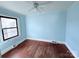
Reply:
x=9, y=27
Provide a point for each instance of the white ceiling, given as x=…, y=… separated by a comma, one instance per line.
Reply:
x=24, y=7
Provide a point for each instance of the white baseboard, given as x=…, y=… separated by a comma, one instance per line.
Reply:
x=73, y=53
x=46, y=40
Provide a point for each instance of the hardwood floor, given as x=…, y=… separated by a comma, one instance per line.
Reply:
x=39, y=49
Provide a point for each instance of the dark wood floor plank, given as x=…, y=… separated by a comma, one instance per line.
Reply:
x=38, y=49
x=40, y=52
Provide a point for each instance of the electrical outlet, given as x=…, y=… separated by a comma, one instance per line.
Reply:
x=14, y=46
x=54, y=42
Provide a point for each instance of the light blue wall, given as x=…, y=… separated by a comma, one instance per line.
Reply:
x=22, y=27
x=48, y=26
x=72, y=28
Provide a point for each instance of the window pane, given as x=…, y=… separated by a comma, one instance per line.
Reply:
x=7, y=22
x=9, y=32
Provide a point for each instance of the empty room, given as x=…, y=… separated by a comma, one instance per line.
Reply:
x=39, y=29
